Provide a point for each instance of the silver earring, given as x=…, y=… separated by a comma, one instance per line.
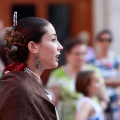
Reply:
x=37, y=63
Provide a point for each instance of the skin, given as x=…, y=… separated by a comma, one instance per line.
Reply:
x=48, y=49
x=86, y=110
x=94, y=87
x=102, y=52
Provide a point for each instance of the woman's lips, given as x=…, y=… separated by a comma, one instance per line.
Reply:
x=57, y=59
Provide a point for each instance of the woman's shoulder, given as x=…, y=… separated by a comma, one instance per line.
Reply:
x=19, y=80
x=84, y=99
x=11, y=87
x=19, y=92
x=84, y=103
x=13, y=78
x=12, y=81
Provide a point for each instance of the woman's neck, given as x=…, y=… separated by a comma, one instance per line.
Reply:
x=90, y=96
x=30, y=65
x=72, y=70
x=34, y=74
x=34, y=69
x=101, y=53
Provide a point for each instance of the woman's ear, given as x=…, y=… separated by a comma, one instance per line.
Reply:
x=33, y=47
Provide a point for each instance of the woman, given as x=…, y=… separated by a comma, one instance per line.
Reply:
x=87, y=83
x=109, y=64
x=106, y=59
x=32, y=47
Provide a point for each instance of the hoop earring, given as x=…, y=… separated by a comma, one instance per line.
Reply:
x=37, y=63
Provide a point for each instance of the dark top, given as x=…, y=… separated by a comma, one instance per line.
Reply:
x=23, y=98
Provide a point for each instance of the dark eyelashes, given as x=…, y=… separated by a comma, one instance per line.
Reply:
x=54, y=40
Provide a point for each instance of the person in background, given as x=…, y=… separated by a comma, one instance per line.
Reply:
x=2, y=47
x=62, y=80
x=2, y=55
x=1, y=25
x=88, y=83
x=4, y=61
x=85, y=37
x=2, y=31
x=108, y=62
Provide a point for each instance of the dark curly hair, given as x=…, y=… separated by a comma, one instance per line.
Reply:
x=28, y=29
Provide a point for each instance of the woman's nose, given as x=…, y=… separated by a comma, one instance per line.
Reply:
x=60, y=47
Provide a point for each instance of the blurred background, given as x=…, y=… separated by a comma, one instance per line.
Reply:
x=72, y=19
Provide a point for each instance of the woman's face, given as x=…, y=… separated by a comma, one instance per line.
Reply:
x=49, y=49
x=94, y=86
x=104, y=42
x=77, y=55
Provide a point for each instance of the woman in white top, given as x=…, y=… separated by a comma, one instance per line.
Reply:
x=89, y=85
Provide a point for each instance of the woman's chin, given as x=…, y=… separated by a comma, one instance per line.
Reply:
x=54, y=65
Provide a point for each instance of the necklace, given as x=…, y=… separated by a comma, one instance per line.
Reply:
x=32, y=73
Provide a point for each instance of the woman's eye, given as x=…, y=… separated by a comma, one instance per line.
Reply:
x=53, y=40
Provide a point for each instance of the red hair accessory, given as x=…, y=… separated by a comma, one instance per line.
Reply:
x=15, y=66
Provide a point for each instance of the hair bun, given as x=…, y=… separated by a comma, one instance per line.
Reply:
x=15, y=45
x=13, y=34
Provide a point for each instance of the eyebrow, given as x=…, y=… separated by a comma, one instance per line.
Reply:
x=54, y=34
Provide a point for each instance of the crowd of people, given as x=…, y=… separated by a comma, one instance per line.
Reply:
x=86, y=87
x=74, y=95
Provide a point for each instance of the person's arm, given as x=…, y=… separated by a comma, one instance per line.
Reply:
x=84, y=111
x=103, y=96
x=113, y=82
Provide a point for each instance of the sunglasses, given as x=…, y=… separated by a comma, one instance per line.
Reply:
x=105, y=40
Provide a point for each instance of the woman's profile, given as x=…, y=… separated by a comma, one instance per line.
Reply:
x=32, y=47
